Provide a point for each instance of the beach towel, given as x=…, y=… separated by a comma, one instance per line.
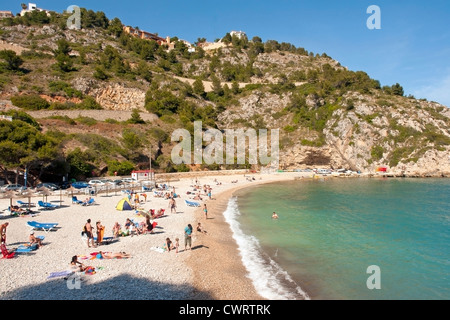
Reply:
x=59, y=274
x=158, y=249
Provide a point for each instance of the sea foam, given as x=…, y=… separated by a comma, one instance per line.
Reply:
x=269, y=279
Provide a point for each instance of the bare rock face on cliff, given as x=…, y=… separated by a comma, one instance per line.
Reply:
x=112, y=96
x=118, y=97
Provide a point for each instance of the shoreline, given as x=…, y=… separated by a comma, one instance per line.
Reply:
x=220, y=272
x=212, y=271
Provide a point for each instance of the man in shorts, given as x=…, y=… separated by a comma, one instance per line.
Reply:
x=89, y=233
x=188, y=237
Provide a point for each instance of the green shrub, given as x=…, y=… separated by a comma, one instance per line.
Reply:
x=377, y=153
x=123, y=168
x=30, y=102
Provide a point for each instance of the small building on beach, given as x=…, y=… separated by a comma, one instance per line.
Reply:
x=143, y=175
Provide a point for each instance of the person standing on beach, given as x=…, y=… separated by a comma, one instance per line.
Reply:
x=177, y=244
x=205, y=210
x=210, y=193
x=116, y=230
x=172, y=205
x=188, y=237
x=100, y=232
x=3, y=231
x=89, y=233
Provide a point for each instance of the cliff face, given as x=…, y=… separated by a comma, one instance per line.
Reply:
x=112, y=96
x=407, y=136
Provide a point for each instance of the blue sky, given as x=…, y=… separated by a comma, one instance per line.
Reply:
x=411, y=48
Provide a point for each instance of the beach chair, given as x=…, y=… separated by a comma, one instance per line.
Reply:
x=25, y=204
x=46, y=205
x=47, y=227
x=192, y=203
x=76, y=201
x=5, y=253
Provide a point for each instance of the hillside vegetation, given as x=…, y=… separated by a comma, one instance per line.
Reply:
x=327, y=115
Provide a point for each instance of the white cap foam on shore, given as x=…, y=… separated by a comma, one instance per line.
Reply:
x=267, y=276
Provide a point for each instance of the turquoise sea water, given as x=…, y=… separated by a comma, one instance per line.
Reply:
x=330, y=231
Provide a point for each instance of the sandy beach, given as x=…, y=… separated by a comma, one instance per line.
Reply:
x=211, y=270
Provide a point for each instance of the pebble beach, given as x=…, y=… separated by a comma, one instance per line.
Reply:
x=212, y=270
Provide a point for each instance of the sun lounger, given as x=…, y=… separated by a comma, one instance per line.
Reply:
x=44, y=226
x=76, y=201
x=46, y=205
x=192, y=203
x=25, y=204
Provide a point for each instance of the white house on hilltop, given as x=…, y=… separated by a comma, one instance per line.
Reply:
x=239, y=34
x=33, y=7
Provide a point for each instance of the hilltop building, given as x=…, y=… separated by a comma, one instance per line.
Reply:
x=239, y=34
x=33, y=7
x=148, y=36
x=6, y=14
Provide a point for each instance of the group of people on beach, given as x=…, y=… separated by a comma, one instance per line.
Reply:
x=32, y=240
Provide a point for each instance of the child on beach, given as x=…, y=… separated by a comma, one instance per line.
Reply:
x=177, y=244
x=200, y=228
x=205, y=210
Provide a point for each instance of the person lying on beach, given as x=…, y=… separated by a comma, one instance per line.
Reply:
x=198, y=197
x=16, y=209
x=110, y=255
x=33, y=240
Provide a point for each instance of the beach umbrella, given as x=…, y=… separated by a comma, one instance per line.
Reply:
x=9, y=195
x=71, y=190
x=28, y=194
x=45, y=192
